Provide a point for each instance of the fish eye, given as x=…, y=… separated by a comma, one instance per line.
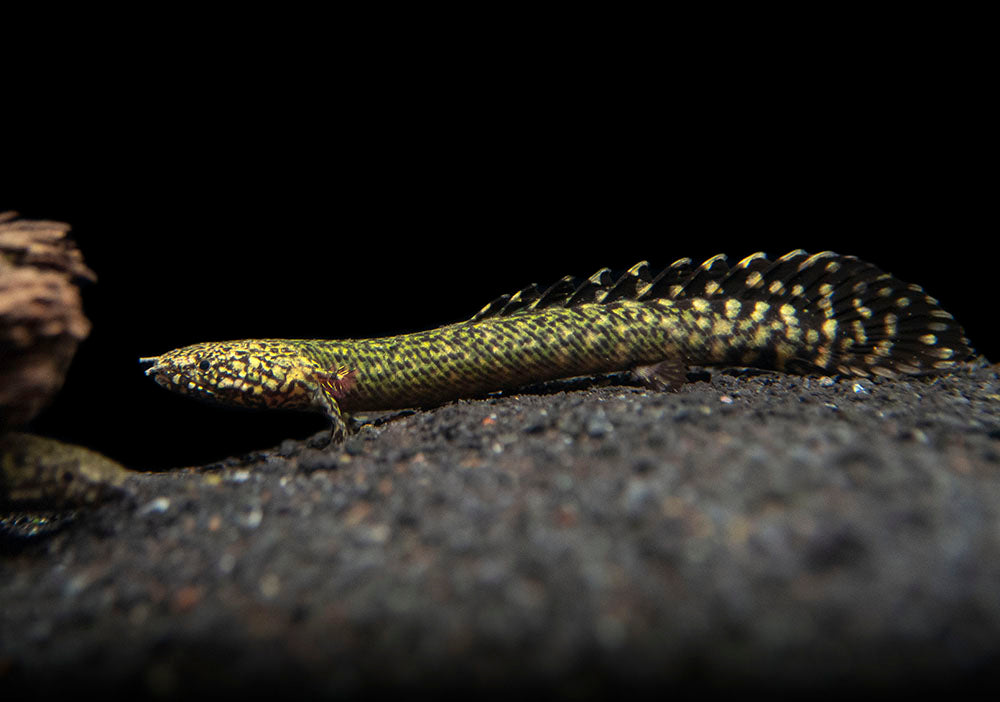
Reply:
x=204, y=365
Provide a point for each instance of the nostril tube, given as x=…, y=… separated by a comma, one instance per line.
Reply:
x=155, y=360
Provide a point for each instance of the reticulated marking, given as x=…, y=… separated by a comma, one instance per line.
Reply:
x=733, y=308
x=890, y=324
x=722, y=327
x=761, y=336
x=822, y=356
x=759, y=311
x=859, y=331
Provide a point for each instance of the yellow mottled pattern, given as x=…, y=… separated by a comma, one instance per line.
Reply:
x=824, y=312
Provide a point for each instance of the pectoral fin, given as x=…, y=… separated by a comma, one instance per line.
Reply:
x=335, y=384
x=669, y=374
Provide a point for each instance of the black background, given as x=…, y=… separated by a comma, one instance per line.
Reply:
x=314, y=197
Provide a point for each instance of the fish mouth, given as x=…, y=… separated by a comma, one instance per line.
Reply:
x=167, y=376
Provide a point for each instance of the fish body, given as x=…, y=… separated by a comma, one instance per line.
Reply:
x=802, y=313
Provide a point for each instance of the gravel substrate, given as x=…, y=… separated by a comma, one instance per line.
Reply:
x=749, y=530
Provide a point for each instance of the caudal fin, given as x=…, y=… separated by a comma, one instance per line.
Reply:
x=856, y=318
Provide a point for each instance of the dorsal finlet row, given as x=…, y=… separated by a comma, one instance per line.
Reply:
x=605, y=286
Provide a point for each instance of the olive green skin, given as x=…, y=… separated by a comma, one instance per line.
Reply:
x=801, y=313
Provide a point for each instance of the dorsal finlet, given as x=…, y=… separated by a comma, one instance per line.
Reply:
x=751, y=258
x=791, y=254
x=707, y=265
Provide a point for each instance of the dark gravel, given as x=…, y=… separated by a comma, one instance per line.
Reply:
x=752, y=531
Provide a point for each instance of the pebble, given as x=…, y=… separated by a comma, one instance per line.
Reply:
x=598, y=425
x=157, y=506
x=253, y=518
x=354, y=446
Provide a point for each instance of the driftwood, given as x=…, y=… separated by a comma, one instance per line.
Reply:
x=41, y=315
